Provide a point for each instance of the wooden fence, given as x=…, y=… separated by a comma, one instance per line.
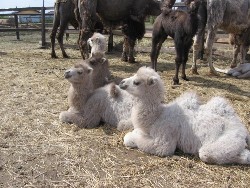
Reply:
x=17, y=29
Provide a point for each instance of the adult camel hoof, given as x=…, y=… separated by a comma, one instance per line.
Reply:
x=214, y=73
x=54, y=56
x=194, y=71
x=124, y=59
x=176, y=81
x=65, y=56
x=185, y=78
x=131, y=60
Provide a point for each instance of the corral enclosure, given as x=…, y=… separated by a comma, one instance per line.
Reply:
x=37, y=150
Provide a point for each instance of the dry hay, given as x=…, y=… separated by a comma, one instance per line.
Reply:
x=36, y=150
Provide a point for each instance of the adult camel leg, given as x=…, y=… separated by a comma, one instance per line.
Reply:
x=131, y=47
x=56, y=23
x=198, y=46
x=178, y=62
x=87, y=9
x=125, y=49
x=236, y=51
x=243, y=50
x=198, y=49
x=63, y=27
x=157, y=42
x=185, y=59
x=209, y=46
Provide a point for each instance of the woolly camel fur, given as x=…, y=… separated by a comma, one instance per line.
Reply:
x=213, y=130
x=81, y=86
x=230, y=16
x=101, y=74
x=97, y=43
x=241, y=71
x=181, y=26
x=130, y=14
x=84, y=77
x=108, y=104
x=87, y=108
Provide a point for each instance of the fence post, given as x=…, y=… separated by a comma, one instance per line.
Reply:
x=43, y=45
x=16, y=25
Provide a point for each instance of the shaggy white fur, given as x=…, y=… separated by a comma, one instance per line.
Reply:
x=241, y=71
x=213, y=130
x=81, y=86
x=84, y=77
x=98, y=44
x=111, y=105
x=101, y=74
x=87, y=109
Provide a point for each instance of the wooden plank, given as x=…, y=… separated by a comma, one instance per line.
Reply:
x=19, y=29
x=26, y=8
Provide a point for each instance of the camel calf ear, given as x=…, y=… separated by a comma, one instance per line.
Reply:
x=152, y=80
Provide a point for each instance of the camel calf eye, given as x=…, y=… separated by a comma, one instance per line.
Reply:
x=136, y=83
x=79, y=72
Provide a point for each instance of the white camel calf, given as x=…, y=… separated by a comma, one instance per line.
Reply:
x=213, y=130
x=98, y=44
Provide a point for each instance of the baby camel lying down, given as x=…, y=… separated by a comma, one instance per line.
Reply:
x=213, y=130
x=88, y=107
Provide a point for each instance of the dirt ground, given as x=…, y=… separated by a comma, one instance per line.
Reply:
x=37, y=150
